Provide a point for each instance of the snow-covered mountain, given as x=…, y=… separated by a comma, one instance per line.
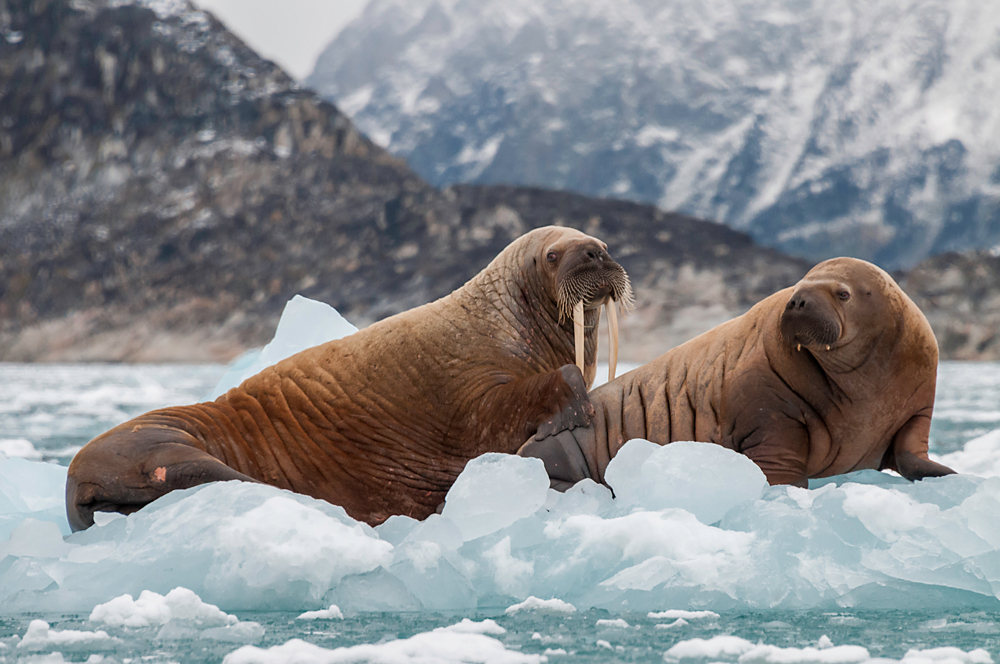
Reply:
x=823, y=127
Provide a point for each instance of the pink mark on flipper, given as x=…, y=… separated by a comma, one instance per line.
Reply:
x=160, y=474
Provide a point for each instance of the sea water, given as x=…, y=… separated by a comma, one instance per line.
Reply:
x=862, y=567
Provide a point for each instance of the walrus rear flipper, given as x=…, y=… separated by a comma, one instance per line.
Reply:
x=126, y=469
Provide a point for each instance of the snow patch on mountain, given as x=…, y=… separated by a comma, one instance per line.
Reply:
x=822, y=127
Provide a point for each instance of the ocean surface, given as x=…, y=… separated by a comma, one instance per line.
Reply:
x=48, y=411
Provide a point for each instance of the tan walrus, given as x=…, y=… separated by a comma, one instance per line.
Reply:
x=832, y=375
x=383, y=421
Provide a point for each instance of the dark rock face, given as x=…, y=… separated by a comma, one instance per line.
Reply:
x=820, y=127
x=960, y=294
x=165, y=191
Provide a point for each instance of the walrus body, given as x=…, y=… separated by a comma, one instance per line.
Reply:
x=833, y=375
x=383, y=421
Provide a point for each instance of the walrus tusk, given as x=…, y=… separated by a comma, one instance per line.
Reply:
x=611, y=307
x=578, y=333
x=800, y=347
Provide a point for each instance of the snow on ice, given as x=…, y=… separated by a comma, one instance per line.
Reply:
x=693, y=526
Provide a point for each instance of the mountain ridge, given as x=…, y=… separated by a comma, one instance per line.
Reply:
x=821, y=128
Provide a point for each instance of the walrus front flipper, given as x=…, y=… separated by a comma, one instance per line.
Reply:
x=128, y=468
x=781, y=450
x=914, y=468
x=562, y=455
x=909, y=451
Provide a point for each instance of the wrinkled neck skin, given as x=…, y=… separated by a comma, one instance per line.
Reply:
x=845, y=371
x=520, y=311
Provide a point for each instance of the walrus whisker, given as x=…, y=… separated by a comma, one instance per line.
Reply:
x=578, y=333
x=612, y=309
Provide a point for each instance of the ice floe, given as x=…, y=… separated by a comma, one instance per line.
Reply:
x=535, y=604
x=180, y=614
x=41, y=636
x=866, y=540
x=331, y=613
x=726, y=648
x=463, y=643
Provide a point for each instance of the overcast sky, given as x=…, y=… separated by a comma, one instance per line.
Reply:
x=289, y=32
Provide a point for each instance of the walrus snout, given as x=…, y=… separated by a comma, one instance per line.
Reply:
x=809, y=319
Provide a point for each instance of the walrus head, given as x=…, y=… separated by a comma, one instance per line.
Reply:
x=583, y=277
x=843, y=304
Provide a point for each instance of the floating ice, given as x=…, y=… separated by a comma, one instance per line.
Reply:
x=672, y=614
x=535, y=604
x=304, y=323
x=332, y=613
x=40, y=636
x=181, y=615
x=680, y=622
x=615, y=623
x=445, y=645
x=494, y=491
x=704, y=479
x=734, y=649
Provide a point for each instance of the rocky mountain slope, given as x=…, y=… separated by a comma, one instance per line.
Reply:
x=821, y=127
x=164, y=191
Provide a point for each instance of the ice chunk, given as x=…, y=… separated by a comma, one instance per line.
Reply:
x=980, y=456
x=714, y=648
x=304, y=323
x=332, y=613
x=947, y=654
x=680, y=622
x=494, y=491
x=671, y=614
x=40, y=636
x=151, y=608
x=19, y=447
x=238, y=545
x=768, y=654
x=445, y=645
x=615, y=623
x=181, y=615
x=704, y=479
x=467, y=626
x=31, y=489
x=39, y=539
x=547, y=605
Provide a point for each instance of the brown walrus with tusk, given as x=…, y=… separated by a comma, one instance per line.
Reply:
x=832, y=375
x=383, y=421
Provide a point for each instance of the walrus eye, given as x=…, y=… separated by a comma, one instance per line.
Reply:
x=552, y=257
x=844, y=295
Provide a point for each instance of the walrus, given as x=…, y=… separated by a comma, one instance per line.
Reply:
x=382, y=422
x=832, y=375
